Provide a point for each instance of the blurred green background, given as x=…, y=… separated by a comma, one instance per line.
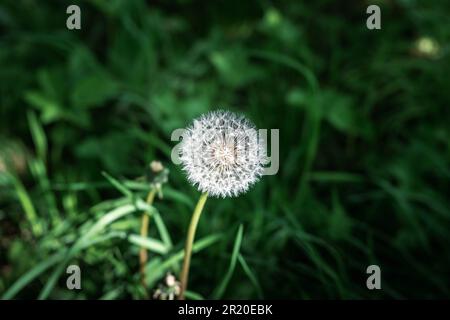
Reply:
x=364, y=146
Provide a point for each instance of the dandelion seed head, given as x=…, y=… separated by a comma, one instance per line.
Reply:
x=221, y=154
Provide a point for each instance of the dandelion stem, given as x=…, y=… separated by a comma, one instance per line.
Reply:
x=189, y=241
x=143, y=256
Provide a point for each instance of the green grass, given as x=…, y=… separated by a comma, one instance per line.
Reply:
x=364, y=147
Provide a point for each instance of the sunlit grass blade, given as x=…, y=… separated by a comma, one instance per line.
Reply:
x=149, y=243
x=39, y=171
x=27, y=205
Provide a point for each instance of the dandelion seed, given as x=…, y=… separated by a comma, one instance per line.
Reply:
x=221, y=154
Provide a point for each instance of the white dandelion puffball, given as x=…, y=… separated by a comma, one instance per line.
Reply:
x=221, y=154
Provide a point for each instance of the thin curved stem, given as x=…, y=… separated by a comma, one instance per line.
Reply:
x=189, y=242
x=143, y=256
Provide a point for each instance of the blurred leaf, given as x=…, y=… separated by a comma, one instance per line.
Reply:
x=234, y=68
x=93, y=90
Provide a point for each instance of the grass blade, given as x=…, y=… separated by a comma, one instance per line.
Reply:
x=251, y=276
x=149, y=244
x=118, y=185
x=218, y=293
x=162, y=229
x=38, y=136
x=80, y=244
x=38, y=269
x=27, y=205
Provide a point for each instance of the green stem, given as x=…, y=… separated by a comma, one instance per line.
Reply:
x=143, y=256
x=189, y=241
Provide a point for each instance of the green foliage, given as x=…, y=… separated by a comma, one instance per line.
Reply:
x=364, y=147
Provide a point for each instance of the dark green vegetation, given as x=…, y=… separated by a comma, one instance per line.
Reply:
x=364, y=129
